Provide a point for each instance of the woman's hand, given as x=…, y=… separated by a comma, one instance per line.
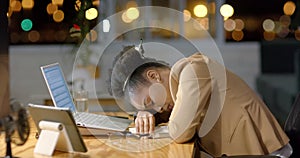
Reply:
x=144, y=122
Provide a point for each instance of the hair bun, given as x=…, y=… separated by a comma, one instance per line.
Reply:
x=124, y=65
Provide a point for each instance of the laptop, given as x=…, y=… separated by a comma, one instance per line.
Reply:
x=62, y=98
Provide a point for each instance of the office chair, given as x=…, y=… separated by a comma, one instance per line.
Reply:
x=292, y=127
x=199, y=152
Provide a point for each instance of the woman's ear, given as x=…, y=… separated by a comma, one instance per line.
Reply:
x=153, y=75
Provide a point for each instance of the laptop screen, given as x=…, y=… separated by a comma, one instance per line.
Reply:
x=57, y=86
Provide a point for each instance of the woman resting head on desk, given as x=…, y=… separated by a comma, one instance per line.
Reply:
x=197, y=97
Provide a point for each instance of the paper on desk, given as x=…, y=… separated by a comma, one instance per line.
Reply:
x=159, y=132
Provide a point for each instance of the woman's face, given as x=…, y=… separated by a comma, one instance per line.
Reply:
x=156, y=96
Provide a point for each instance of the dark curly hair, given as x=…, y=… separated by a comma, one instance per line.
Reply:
x=127, y=71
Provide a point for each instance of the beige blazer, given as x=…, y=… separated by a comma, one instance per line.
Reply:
x=227, y=115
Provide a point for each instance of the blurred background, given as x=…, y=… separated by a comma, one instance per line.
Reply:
x=258, y=40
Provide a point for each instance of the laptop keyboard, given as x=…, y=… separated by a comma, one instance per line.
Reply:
x=101, y=121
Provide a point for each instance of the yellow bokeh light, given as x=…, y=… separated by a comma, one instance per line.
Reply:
x=58, y=16
x=51, y=8
x=9, y=13
x=16, y=6
x=268, y=25
x=91, y=13
x=132, y=13
x=125, y=18
x=200, y=10
x=212, y=8
x=239, y=24
x=289, y=8
x=226, y=10
x=269, y=36
x=237, y=35
x=77, y=5
x=186, y=15
x=58, y=2
x=96, y=2
x=229, y=25
x=27, y=4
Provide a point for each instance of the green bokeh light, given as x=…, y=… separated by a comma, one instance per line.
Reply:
x=26, y=24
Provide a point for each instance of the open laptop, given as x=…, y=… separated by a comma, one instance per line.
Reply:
x=62, y=98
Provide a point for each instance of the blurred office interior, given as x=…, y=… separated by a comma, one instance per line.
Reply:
x=257, y=40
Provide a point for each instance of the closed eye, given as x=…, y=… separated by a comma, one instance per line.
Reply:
x=148, y=102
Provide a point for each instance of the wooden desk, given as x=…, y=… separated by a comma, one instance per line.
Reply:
x=100, y=147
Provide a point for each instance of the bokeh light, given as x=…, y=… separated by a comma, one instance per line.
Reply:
x=268, y=25
x=92, y=36
x=27, y=4
x=283, y=32
x=200, y=10
x=237, y=35
x=51, y=8
x=229, y=25
x=58, y=2
x=16, y=6
x=125, y=18
x=106, y=25
x=204, y=22
x=96, y=3
x=91, y=14
x=186, y=15
x=26, y=24
x=239, y=24
x=269, y=36
x=58, y=16
x=9, y=13
x=285, y=20
x=61, y=35
x=77, y=5
x=132, y=13
x=131, y=4
x=33, y=36
x=289, y=8
x=226, y=10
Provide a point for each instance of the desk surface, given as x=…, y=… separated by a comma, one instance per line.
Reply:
x=103, y=147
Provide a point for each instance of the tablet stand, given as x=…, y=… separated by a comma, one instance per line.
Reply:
x=53, y=136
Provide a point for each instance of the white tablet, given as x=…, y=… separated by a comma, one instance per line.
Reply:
x=60, y=115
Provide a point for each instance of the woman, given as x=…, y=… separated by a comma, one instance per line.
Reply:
x=230, y=120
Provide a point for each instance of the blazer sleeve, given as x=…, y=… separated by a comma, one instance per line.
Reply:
x=192, y=98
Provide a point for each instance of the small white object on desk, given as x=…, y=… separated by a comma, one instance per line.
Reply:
x=53, y=136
